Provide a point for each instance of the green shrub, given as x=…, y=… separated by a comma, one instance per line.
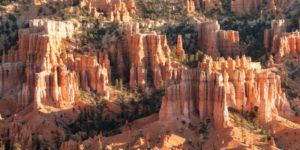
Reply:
x=166, y=10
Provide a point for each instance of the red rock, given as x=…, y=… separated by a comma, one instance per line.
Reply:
x=118, y=10
x=70, y=145
x=179, y=49
x=190, y=6
x=271, y=35
x=217, y=42
x=52, y=77
x=280, y=42
x=147, y=53
x=216, y=85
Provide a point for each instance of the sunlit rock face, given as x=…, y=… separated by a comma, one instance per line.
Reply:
x=180, y=53
x=118, y=10
x=144, y=57
x=215, y=86
x=217, y=42
x=46, y=74
x=281, y=43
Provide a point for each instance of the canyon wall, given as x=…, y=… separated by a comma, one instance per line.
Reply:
x=42, y=75
x=145, y=58
x=117, y=10
x=45, y=73
x=281, y=43
x=217, y=42
x=215, y=86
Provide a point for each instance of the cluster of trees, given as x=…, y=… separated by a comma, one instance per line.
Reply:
x=166, y=10
x=192, y=60
x=251, y=34
x=93, y=33
x=7, y=2
x=93, y=121
x=8, y=31
x=188, y=32
x=246, y=119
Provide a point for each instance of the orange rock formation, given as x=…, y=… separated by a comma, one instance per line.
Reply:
x=42, y=65
x=190, y=5
x=217, y=42
x=279, y=42
x=217, y=85
x=179, y=49
x=147, y=56
x=118, y=10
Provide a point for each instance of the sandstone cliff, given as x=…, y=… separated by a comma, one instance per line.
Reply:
x=147, y=57
x=117, y=10
x=217, y=42
x=46, y=73
x=281, y=43
x=217, y=85
x=43, y=75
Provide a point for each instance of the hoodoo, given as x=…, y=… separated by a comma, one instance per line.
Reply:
x=149, y=74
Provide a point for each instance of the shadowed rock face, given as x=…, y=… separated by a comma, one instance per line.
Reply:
x=280, y=42
x=217, y=42
x=216, y=85
x=146, y=55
